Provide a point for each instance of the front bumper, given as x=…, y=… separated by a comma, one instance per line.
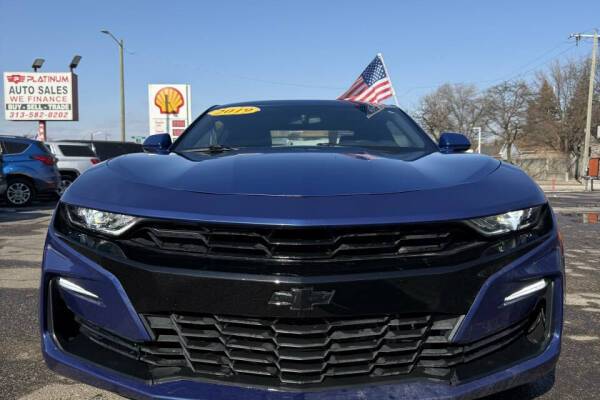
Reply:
x=486, y=315
x=78, y=369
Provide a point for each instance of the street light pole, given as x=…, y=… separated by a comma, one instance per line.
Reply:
x=121, y=45
x=37, y=64
x=167, y=113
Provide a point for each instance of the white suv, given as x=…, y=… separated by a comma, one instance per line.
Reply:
x=72, y=160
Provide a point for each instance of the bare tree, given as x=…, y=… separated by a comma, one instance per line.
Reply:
x=566, y=78
x=569, y=81
x=544, y=117
x=452, y=107
x=507, y=105
x=433, y=114
x=466, y=106
x=554, y=117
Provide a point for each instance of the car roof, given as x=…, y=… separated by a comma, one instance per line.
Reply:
x=87, y=141
x=68, y=143
x=340, y=103
x=14, y=137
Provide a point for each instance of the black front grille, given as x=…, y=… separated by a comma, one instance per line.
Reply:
x=283, y=244
x=296, y=250
x=304, y=352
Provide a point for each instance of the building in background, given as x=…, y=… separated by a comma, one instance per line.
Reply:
x=169, y=108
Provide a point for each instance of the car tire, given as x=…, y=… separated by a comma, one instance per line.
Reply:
x=65, y=182
x=19, y=192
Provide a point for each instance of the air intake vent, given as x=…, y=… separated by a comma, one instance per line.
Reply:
x=300, y=352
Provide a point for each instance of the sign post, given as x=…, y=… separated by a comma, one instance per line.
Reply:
x=42, y=131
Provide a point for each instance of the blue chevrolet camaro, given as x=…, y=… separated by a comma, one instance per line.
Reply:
x=291, y=250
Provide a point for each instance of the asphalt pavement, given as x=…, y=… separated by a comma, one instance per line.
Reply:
x=23, y=374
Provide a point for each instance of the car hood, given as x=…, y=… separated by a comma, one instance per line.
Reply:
x=116, y=189
x=302, y=173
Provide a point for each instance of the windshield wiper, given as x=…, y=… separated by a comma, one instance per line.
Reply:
x=327, y=144
x=213, y=148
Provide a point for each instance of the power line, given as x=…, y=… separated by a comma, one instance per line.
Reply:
x=516, y=73
x=512, y=75
x=537, y=66
x=253, y=79
x=281, y=83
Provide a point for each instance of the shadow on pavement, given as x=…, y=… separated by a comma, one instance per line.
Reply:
x=36, y=210
x=527, y=392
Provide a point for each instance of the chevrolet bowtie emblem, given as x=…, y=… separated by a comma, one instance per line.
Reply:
x=301, y=299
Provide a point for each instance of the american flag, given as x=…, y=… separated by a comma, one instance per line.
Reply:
x=372, y=86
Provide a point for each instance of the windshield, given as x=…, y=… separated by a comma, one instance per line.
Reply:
x=289, y=126
x=69, y=150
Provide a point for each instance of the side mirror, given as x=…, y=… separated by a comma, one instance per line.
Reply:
x=158, y=143
x=453, y=143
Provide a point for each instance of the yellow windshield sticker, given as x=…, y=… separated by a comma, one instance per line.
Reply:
x=234, y=111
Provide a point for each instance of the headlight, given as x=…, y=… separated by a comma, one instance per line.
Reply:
x=100, y=221
x=508, y=222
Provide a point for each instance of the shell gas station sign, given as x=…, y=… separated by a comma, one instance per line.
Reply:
x=169, y=108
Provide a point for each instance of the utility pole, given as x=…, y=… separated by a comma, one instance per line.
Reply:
x=588, y=121
x=121, y=45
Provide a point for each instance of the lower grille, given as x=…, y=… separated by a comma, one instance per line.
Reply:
x=302, y=352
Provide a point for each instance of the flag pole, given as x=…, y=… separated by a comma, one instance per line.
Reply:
x=389, y=78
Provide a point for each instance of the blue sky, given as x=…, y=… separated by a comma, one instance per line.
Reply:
x=242, y=50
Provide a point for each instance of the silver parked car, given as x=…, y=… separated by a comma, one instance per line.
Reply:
x=72, y=160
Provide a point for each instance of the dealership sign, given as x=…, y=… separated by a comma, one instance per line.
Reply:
x=169, y=108
x=40, y=96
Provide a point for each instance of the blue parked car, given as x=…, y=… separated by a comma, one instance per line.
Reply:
x=2, y=178
x=303, y=250
x=29, y=169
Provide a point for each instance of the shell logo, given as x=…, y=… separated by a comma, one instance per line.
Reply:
x=169, y=100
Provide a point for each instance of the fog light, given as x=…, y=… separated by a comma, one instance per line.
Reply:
x=75, y=288
x=526, y=291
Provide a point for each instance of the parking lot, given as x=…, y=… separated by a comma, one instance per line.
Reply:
x=23, y=374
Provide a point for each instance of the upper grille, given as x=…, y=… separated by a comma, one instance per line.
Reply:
x=292, y=352
x=305, y=244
